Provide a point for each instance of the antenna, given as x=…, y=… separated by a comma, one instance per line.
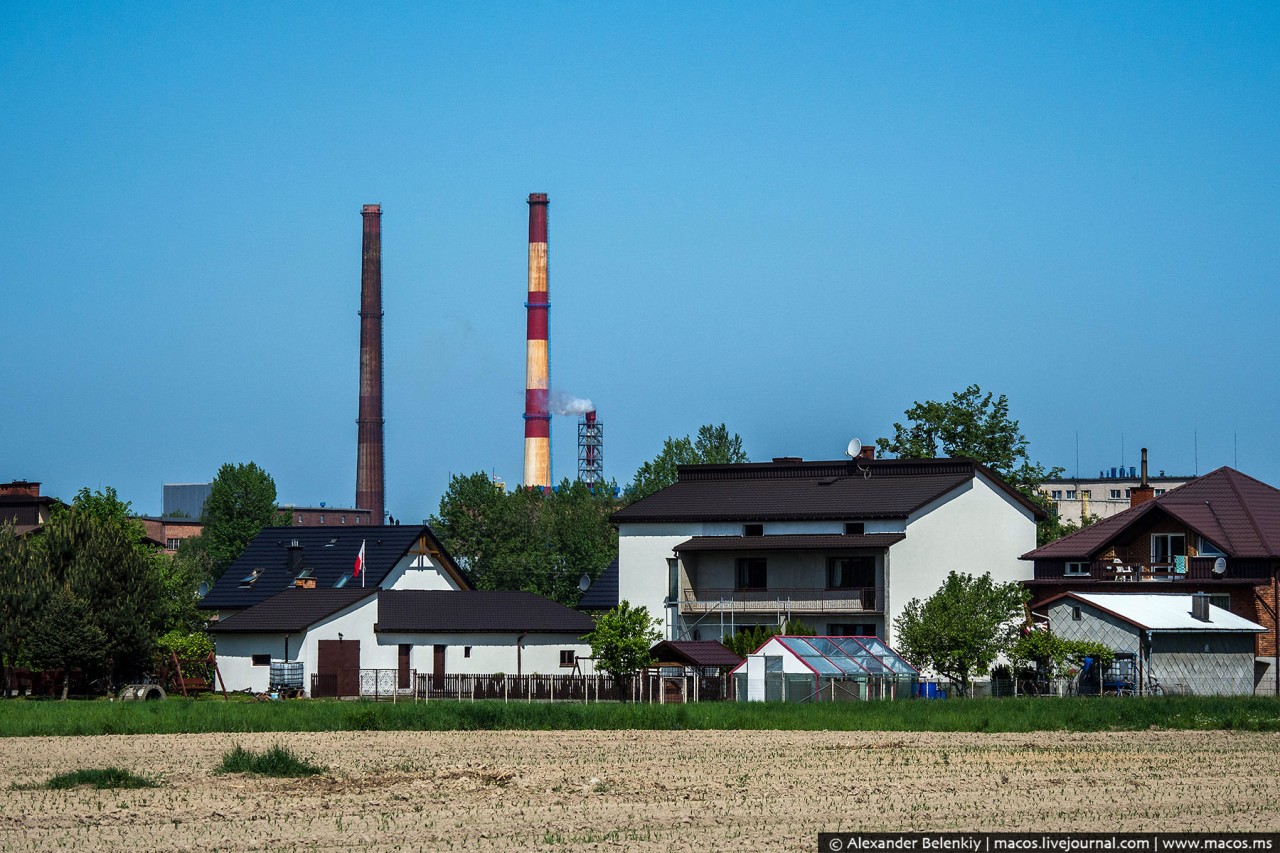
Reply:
x=1220, y=567
x=854, y=449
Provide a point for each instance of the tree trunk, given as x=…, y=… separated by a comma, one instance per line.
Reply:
x=66, y=683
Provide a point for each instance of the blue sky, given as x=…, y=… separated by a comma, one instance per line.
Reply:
x=793, y=218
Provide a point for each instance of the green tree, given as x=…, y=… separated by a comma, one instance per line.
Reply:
x=180, y=575
x=714, y=445
x=241, y=503
x=961, y=629
x=621, y=640
x=976, y=424
x=528, y=539
x=1056, y=657
x=23, y=589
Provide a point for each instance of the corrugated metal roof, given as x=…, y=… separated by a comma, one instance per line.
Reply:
x=1163, y=612
x=433, y=611
x=694, y=653
x=329, y=552
x=791, y=542
x=1234, y=511
x=603, y=594
x=851, y=489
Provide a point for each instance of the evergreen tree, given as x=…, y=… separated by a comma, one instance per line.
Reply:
x=241, y=503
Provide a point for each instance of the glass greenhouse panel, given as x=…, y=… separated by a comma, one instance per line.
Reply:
x=810, y=655
x=872, y=663
x=837, y=655
x=891, y=658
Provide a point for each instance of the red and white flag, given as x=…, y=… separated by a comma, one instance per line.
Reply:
x=358, y=572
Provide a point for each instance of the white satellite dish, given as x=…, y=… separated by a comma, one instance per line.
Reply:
x=203, y=589
x=1220, y=566
x=854, y=449
x=584, y=582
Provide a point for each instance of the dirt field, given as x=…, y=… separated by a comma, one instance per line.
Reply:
x=632, y=790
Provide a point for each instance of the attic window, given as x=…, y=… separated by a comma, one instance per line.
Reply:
x=753, y=530
x=306, y=575
x=342, y=581
x=250, y=579
x=854, y=528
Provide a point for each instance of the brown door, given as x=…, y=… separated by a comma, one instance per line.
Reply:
x=402, y=675
x=338, y=668
x=437, y=668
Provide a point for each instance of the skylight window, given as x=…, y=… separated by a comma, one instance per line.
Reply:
x=306, y=575
x=331, y=542
x=342, y=581
x=250, y=579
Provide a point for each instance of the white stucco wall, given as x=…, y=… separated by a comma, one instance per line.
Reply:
x=417, y=572
x=974, y=529
x=643, y=550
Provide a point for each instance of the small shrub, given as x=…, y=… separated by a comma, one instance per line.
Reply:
x=277, y=761
x=102, y=778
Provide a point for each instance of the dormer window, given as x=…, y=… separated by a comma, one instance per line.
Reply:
x=250, y=579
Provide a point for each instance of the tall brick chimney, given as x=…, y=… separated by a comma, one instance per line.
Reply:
x=1144, y=491
x=369, y=453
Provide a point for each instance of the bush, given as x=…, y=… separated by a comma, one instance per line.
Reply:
x=101, y=778
x=279, y=760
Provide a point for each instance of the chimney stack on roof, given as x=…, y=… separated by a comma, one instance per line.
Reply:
x=20, y=488
x=1144, y=491
x=369, y=454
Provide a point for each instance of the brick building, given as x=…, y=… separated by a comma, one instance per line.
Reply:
x=22, y=503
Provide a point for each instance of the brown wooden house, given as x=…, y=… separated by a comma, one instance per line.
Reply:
x=1219, y=534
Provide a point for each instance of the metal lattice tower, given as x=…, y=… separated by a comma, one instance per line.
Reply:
x=590, y=449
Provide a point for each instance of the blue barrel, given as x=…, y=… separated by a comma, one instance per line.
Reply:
x=928, y=690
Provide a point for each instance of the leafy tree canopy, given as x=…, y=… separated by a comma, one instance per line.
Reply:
x=961, y=629
x=714, y=445
x=241, y=503
x=527, y=539
x=621, y=640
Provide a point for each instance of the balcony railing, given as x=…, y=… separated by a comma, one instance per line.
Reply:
x=1147, y=571
x=869, y=599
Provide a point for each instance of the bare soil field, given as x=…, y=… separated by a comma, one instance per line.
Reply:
x=632, y=790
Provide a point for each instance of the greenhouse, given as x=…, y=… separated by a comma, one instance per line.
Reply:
x=824, y=669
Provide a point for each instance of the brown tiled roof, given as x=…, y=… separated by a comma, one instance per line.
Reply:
x=694, y=653
x=791, y=542
x=445, y=611
x=291, y=611
x=1234, y=511
x=849, y=489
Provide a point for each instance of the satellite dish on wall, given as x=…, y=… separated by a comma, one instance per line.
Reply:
x=1220, y=566
x=854, y=449
x=203, y=590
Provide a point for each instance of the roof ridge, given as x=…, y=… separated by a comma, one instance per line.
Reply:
x=1248, y=511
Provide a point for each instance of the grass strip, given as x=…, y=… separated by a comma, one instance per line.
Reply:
x=178, y=716
x=101, y=778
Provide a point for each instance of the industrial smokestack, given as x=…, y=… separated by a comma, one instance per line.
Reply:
x=590, y=449
x=369, y=454
x=537, y=419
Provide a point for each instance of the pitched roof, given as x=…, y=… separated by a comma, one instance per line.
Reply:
x=789, y=542
x=329, y=552
x=1234, y=511
x=415, y=611
x=694, y=653
x=1161, y=611
x=848, y=489
x=603, y=594
x=291, y=611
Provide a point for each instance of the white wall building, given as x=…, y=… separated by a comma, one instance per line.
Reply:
x=841, y=546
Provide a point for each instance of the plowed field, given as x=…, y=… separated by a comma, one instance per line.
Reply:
x=631, y=790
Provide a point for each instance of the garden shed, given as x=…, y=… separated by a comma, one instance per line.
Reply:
x=1167, y=642
x=824, y=669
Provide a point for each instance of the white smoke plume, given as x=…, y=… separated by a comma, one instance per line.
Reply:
x=566, y=404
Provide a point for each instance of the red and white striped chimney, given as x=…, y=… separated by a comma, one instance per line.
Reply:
x=537, y=419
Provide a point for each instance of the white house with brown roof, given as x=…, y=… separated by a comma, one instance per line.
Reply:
x=841, y=546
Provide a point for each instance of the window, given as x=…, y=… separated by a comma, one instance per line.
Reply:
x=1160, y=492
x=342, y=581
x=1076, y=615
x=1056, y=494
x=299, y=518
x=673, y=579
x=250, y=579
x=1077, y=569
x=752, y=573
x=322, y=519
x=753, y=530
x=344, y=519
x=855, y=629
x=851, y=572
x=567, y=657
x=466, y=651
x=1205, y=548
x=1115, y=494
x=854, y=528
x=1071, y=494
x=1086, y=493
x=1220, y=599
x=1128, y=493
x=262, y=660
x=1166, y=546
x=172, y=544
x=357, y=519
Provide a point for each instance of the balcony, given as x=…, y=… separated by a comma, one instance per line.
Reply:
x=868, y=599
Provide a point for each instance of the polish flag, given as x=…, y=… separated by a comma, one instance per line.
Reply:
x=358, y=572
